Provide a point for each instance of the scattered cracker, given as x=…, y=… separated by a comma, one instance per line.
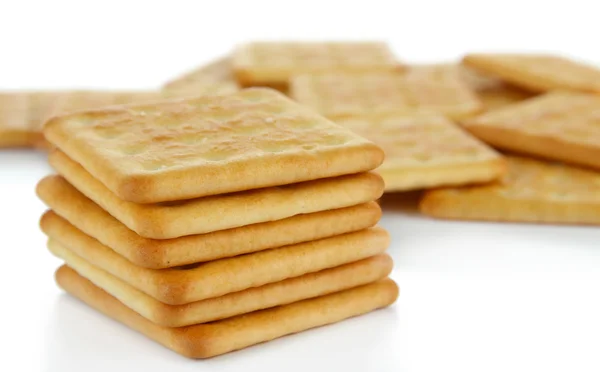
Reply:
x=533, y=191
x=274, y=63
x=538, y=73
x=338, y=95
x=424, y=150
x=214, y=78
x=561, y=126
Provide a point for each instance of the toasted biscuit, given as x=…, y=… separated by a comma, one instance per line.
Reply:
x=274, y=63
x=538, y=73
x=220, y=337
x=424, y=150
x=187, y=148
x=274, y=294
x=197, y=282
x=558, y=125
x=533, y=191
x=337, y=95
x=222, y=212
x=214, y=78
x=87, y=216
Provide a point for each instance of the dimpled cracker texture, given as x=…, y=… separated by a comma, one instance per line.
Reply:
x=187, y=148
x=274, y=294
x=538, y=73
x=337, y=95
x=562, y=126
x=274, y=63
x=216, y=77
x=220, y=337
x=533, y=191
x=197, y=282
x=424, y=150
x=221, y=212
x=68, y=203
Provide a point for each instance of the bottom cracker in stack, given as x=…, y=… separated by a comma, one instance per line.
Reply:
x=165, y=266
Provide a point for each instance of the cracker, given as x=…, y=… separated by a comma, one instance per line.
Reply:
x=337, y=95
x=197, y=282
x=274, y=63
x=533, y=191
x=14, y=122
x=70, y=204
x=220, y=337
x=274, y=294
x=222, y=212
x=216, y=77
x=187, y=148
x=424, y=150
x=538, y=72
x=562, y=126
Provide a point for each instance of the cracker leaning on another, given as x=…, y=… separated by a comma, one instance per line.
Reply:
x=559, y=125
x=538, y=72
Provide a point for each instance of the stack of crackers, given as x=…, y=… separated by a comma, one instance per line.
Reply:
x=213, y=223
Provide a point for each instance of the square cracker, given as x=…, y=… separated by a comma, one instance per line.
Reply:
x=185, y=284
x=68, y=203
x=269, y=295
x=274, y=63
x=561, y=126
x=15, y=129
x=538, y=72
x=424, y=150
x=337, y=94
x=220, y=337
x=222, y=212
x=533, y=191
x=186, y=148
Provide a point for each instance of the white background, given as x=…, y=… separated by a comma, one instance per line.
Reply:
x=474, y=297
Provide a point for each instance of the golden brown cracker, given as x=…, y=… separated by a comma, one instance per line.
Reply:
x=70, y=204
x=216, y=338
x=196, y=282
x=533, y=191
x=538, y=72
x=424, y=150
x=188, y=148
x=559, y=125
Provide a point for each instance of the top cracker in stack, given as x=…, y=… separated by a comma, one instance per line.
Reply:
x=205, y=164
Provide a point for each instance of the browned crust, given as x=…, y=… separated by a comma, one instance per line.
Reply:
x=209, y=340
x=216, y=278
x=68, y=203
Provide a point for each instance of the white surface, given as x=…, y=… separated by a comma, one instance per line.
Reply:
x=474, y=297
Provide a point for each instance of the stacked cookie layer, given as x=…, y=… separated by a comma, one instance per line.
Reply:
x=214, y=223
